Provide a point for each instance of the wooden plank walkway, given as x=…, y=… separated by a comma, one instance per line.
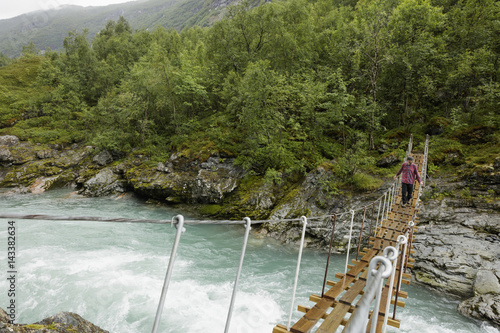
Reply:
x=334, y=309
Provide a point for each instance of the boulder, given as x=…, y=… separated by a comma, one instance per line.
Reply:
x=496, y=165
x=448, y=250
x=9, y=140
x=42, y=184
x=63, y=322
x=167, y=168
x=482, y=307
x=486, y=282
x=4, y=316
x=106, y=182
x=180, y=180
x=23, y=153
x=388, y=161
x=103, y=158
x=5, y=154
x=383, y=148
x=71, y=322
x=69, y=158
x=457, y=245
x=45, y=153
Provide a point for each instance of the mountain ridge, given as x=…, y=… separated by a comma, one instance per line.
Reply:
x=48, y=28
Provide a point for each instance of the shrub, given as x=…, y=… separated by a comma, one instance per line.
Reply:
x=364, y=182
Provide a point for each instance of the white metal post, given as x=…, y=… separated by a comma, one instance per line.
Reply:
x=304, y=222
x=235, y=288
x=180, y=229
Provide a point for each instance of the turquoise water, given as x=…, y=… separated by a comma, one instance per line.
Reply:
x=112, y=273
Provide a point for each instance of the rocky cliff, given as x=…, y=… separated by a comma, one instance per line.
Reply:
x=457, y=246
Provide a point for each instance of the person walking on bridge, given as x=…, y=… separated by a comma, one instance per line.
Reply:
x=409, y=172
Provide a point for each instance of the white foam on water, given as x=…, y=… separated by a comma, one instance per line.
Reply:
x=208, y=305
x=112, y=274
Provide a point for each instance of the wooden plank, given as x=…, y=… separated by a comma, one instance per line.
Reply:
x=305, y=309
x=339, y=286
x=280, y=329
x=369, y=256
x=354, y=271
x=307, y=322
x=334, y=319
x=352, y=293
x=319, y=309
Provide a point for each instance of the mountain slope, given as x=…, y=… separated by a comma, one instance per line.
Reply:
x=47, y=29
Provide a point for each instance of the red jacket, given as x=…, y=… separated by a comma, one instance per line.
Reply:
x=409, y=173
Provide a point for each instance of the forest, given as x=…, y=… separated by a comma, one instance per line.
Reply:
x=283, y=86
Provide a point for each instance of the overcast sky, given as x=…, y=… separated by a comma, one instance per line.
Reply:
x=11, y=8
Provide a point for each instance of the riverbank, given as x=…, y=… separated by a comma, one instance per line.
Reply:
x=456, y=248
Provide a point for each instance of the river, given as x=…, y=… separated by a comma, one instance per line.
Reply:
x=112, y=273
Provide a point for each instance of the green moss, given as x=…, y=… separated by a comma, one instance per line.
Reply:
x=427, y=279
x=439, y=122
x=465, y=193
x=475, y=135
x=36, y=327
x=364, y=182
x=210, y=210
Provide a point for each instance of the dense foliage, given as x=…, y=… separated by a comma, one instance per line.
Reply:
x=283, y=86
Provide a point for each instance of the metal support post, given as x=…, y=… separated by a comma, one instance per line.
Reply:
x=180, y=230
x=235, y=288
x=329, y=254
x=349, y=243
x=304, y=222
x=361, y=234
x=390, y=253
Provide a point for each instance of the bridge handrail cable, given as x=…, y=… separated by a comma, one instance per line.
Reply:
x=386, y=201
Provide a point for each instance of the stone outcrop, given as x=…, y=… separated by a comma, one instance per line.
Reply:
x=103, y=158
x=179, y=180
x=457, y=246
x=9, y=140
x=105, y=182
x=451, y=245
x=63, y=322
x=36, y=168
x=482, y=307
x=388, y=161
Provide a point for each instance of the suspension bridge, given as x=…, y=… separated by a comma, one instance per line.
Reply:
x=361, y=299
x=347, y=302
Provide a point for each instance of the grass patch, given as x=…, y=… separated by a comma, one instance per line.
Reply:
x=364, y=182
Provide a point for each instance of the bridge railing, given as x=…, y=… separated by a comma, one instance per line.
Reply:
x=385, y=203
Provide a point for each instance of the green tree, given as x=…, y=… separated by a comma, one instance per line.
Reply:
x=30, y=50
x=418, y=57
x=473, y=34
x=4, y=60
x=372, y=44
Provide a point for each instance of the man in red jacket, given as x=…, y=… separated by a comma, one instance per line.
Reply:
x=409, y=171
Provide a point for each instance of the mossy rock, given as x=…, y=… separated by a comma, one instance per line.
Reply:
x=475, y=135
x=210, y=210
x=22, y=154
x=437, y=125
x=388, y=160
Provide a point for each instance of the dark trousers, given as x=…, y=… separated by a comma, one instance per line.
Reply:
x=406, y=192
